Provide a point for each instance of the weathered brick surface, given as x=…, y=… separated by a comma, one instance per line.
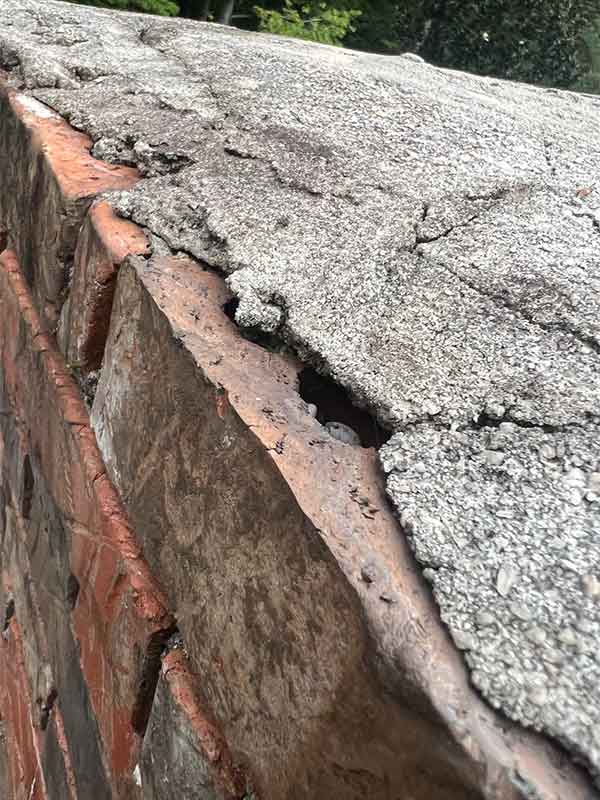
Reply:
x=39, y=684
x=268, y=616
x=24, y=745
x=184, y=754
x=5, y=780
x=35, y=559
x=25, y=779
x=98, y=621
x=104, y=242
x=48, y=181
x=119, y=617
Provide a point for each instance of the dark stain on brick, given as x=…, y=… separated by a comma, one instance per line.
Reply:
x=28, y=486
x=72, y=592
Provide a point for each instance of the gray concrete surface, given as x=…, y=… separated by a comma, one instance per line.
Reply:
x=431, y=240
x=506, y=522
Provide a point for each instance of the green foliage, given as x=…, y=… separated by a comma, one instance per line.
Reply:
x=316, y=21
x=167, y=8
x=538, y=41
x=590, y=55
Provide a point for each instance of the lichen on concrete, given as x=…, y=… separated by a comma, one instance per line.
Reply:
x=428, y=238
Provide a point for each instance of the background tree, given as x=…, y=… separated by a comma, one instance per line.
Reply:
x=217, y=10
x=317, y=21
x=590, y=56
x=538, y=41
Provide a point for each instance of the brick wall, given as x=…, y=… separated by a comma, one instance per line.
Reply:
x=87, y=638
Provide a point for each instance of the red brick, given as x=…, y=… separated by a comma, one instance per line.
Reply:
x=48, y=179
x=120, y=610
x=103, y=244
x=26, y=776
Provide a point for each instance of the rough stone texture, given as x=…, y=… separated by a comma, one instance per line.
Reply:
x=427, y=238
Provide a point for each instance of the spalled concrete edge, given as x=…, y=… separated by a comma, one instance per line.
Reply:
x=67, y=151
x=532, y=758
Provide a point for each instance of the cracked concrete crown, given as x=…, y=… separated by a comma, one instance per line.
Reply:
x=428, y=238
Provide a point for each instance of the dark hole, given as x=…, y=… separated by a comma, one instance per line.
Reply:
x=148, y=678
x=72, y=591
x=28, y=483
x=270, y=341
x=230, y=307
x=46, y=709
x=332, y=401
x=334, y=405
x=8, y=614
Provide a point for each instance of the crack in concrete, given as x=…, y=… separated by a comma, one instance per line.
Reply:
x=421, y=239
x=484, y=421
x=504, y=302
x=492, y=197
x=548, y=156
x=232, y=150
